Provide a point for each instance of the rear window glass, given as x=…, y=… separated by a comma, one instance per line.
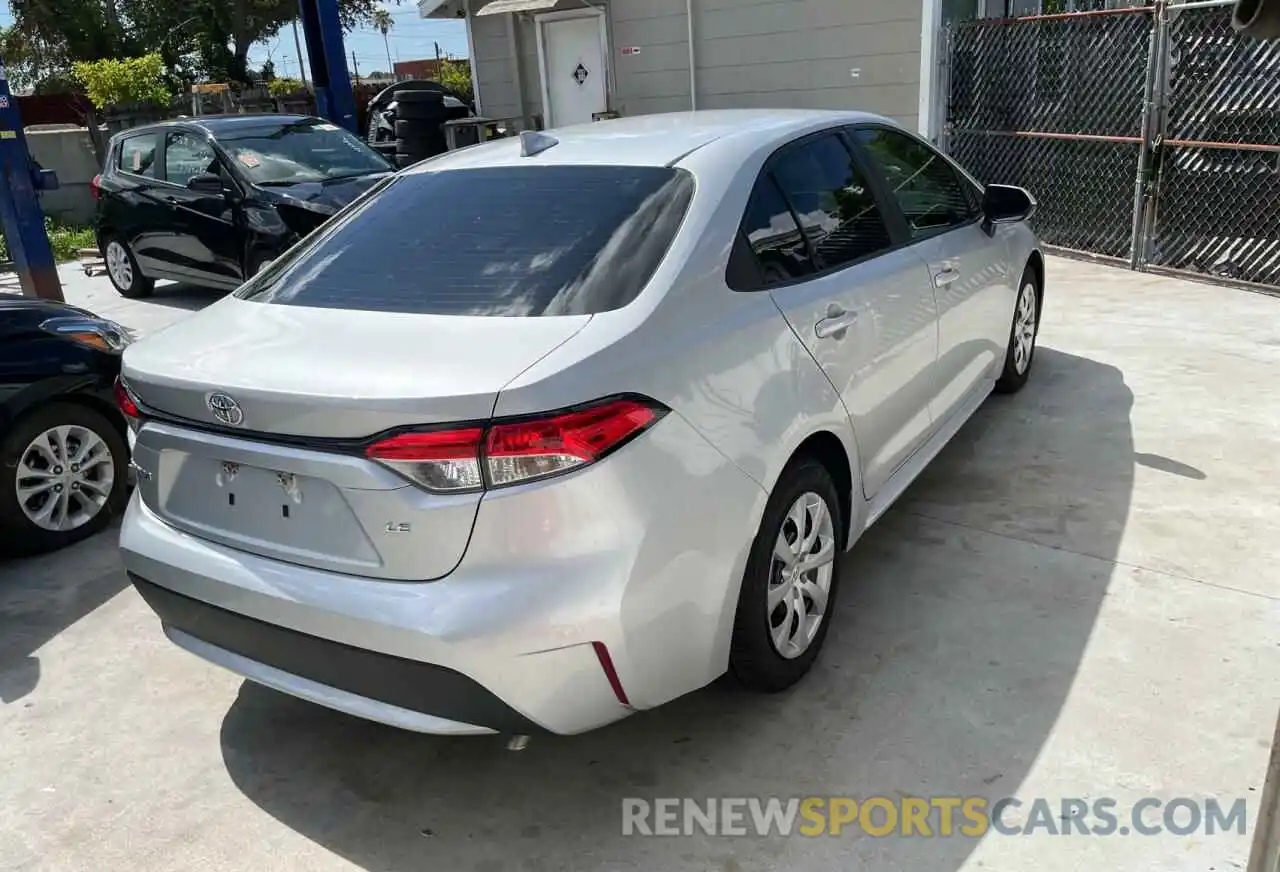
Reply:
x=558, y=240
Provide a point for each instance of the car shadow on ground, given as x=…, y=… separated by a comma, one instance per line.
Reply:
x=957, y=638
x=192, y=298
x=42, y=596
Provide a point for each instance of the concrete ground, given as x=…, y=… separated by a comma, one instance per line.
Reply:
x=1079, y=599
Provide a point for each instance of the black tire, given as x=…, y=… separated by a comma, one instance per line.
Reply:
x=419, y=97
x=424, y=147
x=754, y=659
x=415, y=128
x=422, y=112
x=19, y=535
x=139, y=286
x=1013, y=377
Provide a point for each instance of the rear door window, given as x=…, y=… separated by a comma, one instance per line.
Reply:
x=138, y=155
x=774, y=236
x=514, y=241
x=836, y=207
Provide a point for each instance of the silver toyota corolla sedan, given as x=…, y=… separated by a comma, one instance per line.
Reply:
x=552, y=429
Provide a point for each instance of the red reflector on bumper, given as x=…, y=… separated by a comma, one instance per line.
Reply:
x=606, y=663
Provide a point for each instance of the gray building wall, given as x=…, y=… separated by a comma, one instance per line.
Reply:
x=750, y=53
x=496, y=77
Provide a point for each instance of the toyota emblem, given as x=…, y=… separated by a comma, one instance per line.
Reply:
x=225, y=409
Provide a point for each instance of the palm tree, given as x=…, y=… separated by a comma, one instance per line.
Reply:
x=384, y=22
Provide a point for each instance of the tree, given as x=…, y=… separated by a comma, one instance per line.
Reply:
x=384, y=22
x=207, y=39
x=129, y=80
x=456, y=76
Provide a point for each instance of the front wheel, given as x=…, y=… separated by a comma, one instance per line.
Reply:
x=789, y=587
x=1022, y=336
x=63, y=475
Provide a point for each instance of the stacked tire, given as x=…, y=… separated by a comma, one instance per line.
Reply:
x=419, y=134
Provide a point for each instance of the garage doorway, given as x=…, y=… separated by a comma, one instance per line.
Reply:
x=572, y=57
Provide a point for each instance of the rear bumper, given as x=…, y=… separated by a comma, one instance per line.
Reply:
x=407, y=693
x=643, y=553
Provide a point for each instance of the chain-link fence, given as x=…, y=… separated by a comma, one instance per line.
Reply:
x=1215, y=200
x=1054, y=103
x=1148, y=134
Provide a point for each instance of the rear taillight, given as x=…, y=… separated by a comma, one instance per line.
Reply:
x=95, y=186
x=125, y=400
x=439, y=460
x=514, y=452
x=526, y=450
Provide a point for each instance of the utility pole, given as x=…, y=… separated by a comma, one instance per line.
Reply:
x=297, y=43
x=355, y=67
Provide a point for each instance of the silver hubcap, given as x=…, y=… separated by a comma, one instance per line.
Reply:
x=1024, y=328
x=64, y=478
x=800, y=575
x=118, y=265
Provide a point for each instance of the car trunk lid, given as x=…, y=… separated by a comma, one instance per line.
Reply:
x=286, y=477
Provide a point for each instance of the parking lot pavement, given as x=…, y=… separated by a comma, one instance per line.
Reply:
x=1079, y=599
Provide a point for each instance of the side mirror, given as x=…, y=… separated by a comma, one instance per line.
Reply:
x=207, y=183
x=1007, y=204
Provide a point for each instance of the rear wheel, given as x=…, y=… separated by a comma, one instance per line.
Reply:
x=122, y=269
x=789, y=588
x=63, y=474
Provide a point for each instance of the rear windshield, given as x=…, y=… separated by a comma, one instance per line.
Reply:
x=558, y=240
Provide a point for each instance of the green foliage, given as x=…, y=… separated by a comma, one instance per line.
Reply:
x=131, y=80
x=456, y=76
x=205, y=40
x=284, y=87
x=65, y=241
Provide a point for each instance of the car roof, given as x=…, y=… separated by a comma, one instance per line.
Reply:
x=651, y=140
x=216, y=124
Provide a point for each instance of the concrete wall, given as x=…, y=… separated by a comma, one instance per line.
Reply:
x=69, y=152
x=750, y=53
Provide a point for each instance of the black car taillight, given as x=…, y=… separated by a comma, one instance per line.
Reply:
x=516, y=451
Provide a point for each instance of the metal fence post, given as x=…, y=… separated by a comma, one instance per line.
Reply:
x=1137, y=242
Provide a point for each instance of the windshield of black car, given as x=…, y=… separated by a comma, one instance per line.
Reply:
x=306, y=151
x=498, y=241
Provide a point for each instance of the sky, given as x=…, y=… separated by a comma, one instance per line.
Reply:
x=410, y=39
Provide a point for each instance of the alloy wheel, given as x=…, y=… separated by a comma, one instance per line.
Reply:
x=64, y=478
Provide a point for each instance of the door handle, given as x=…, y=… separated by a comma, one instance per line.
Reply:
x=836, y=322
x=948, y=275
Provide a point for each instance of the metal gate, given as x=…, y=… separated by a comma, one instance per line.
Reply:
x=1149, y=135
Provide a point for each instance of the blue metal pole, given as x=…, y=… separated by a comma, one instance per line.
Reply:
x=322, y=29
x=20, y=213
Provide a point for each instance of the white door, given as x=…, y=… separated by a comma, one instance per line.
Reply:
x=573, y=69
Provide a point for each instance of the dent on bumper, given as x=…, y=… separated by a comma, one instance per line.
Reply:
x=643, y=553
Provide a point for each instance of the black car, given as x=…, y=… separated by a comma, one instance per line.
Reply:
x=64, y=456
x=210, y=201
